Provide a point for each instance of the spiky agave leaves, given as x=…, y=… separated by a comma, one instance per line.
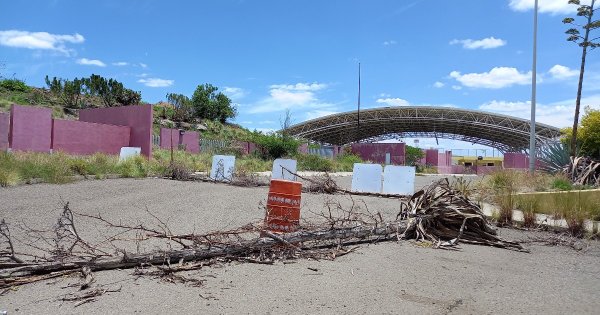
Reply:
x=554, y=157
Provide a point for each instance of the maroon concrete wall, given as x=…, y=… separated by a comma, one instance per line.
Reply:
x=79, y=137
x=189, y=139
x=516, y=160
x=246, y=147
x=138, y=117
x=31, y=128
x=165, y=138
x=4, y=130
x=431, y=157
x=375, y=152
x=303, y=148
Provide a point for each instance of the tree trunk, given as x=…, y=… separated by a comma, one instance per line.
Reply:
x=580, y=85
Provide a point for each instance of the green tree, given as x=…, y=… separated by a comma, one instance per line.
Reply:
x=69, y=92
x=587, y=12
x=210, y=104
x=590, y=133
x=183, y=107
x=413, y=155
x=111, y=91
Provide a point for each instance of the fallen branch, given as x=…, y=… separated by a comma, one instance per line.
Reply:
x=359, y=234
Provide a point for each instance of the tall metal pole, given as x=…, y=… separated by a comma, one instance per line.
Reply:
x=358, y=113
x=533, y=91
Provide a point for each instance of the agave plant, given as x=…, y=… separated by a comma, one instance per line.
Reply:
x=554, y=156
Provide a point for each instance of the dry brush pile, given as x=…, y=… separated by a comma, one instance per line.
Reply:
x=584, y=171
x=439, y=215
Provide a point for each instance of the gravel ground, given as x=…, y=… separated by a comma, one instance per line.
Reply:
x=382, y=279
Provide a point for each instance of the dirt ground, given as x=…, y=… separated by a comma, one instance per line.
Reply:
x=386, y=278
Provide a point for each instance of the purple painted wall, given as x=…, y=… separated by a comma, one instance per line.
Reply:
x=431, y=157
x=31, y=128
x=516, y=160
x=376, y=152
x=4, y=130
x=138, y=117
x=191, y=141
x=165, y=138
x=246, y=147
x=303, y=148
x=78, y=137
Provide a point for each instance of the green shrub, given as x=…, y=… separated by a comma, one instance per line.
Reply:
x=50, y=168
x=79, y=166
x=561, y=183
x=252, y=164
x=274, y=146
x=9, y=177
x=345, y=162
x=134, y=167
x=14, y=85
x=101, y=164
x=311, y=162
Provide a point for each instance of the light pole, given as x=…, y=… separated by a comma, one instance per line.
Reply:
x=533, y=90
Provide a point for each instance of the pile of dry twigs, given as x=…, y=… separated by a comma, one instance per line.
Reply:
x=584, y=171
x=441, y=215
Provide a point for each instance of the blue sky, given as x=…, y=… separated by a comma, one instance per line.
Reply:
x=302, y=55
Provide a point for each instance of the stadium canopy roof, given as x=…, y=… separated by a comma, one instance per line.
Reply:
x=505, y=133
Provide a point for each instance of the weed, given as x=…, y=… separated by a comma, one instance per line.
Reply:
x=575, y=208
x=561, y=183
x=9, y=177
x=311, y=162
x=529, y=209
x=134, y=167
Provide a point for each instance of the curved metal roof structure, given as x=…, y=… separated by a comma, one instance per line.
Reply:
x=502, y=132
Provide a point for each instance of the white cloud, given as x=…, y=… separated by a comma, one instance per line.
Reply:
x=438, y=84
x=558, y=114
x=389, y=42
x=39, y=40
x=319, y=113
x=553, y=7
x=234, y=93
x=90, y=62
x=265, y=130
x=457, y=87
x=296, y=96
x=156, y=82
x=498, y=77
x=120, y=63
x=561, y=72
x=393, y=101
x=486, y=43
x=384, y=95
x=143, y=65
x=300, y=86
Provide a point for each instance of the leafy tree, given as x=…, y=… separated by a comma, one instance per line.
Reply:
x=587, y=12
x=588, y=142
x=69, y=92
x=275, y=145
x=590, y=133
x=111, y=91
x=413, y=155
x=210, y=104
x=183, y=107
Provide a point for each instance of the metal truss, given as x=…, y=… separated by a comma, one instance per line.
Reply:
x=505, y=133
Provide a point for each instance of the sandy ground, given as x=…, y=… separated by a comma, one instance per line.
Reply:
x=387, y=278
